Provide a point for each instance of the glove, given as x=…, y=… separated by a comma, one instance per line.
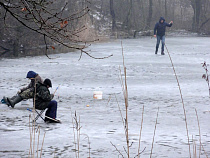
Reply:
x=19, y=92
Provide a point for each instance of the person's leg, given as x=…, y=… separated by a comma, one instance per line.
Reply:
x=157, y=44
x=14, y=100
x=11, y=99
x=163, y=44
x=52, y=109
x=27, y=94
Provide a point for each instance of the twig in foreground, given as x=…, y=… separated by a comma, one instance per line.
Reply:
x=183, y=106
x=154, y=133
x=117, y=150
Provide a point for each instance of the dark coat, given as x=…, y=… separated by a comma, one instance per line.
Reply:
x=160, y=28
x=43, y=96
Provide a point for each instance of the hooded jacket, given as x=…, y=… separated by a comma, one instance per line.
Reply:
x=43, y=96
x=160, y=28
x=34, y=77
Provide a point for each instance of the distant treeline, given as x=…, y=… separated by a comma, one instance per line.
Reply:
x=110, y=18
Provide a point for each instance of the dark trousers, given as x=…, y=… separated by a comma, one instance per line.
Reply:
x=52, y=109
x=158, y=42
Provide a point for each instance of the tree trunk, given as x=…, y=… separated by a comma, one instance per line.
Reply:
x=16, y=44
x=128, y=19
x=196, y=5
x=113, y=15
x=16, y=48
x=149, y=18
x=173, y=10
x=166, y=15
x=141, y=6
x=129, y=16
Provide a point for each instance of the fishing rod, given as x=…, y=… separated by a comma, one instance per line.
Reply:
x=56, y=90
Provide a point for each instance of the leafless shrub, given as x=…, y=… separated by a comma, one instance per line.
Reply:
x=77, y=134
x=206, y=75
x=200, y=142
x=125, y=120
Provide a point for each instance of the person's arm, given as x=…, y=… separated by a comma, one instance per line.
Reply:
x=24, y=88
x=170, y=24
x=30, y=86
x=155, y=29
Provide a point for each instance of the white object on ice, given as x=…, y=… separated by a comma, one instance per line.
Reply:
x=25, y=102
x=97, y=94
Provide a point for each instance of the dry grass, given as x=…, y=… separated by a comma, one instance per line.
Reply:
x=125, y=120
x=77, y=134
x=142, y=119
x=154, y=133
x=182, y=100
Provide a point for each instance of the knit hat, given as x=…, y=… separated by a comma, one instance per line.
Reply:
x=47, y=82
x=31, y=74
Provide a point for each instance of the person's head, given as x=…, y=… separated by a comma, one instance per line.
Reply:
x=162, y=20
x=48, y=83
x=31, y=75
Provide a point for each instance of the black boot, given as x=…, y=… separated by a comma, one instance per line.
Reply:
x=14, y=101
x=156, y=51
x=162, y=52
x=4, y=101
x=51, y=120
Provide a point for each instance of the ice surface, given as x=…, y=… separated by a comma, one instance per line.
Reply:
x=151, y=83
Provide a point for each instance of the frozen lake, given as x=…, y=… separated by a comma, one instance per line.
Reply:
x=151, y=83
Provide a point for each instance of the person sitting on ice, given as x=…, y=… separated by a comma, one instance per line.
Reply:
x=43, y=100
x=26, y=92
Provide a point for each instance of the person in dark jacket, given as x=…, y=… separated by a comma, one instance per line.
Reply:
x=44, y=100
x=26, y=92
x=159, y=32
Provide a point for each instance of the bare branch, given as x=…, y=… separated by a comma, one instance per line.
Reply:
x=39, y=17
x=117, y=150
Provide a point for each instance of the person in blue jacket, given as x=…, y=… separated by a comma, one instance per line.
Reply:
x=159, y=32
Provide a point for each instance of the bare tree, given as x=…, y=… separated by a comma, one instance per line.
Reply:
x=62, y=22
x=113, y=15
x=196, y=5
x=128, y=19
x=149, y=18
x=51, y=21
x=166, y=14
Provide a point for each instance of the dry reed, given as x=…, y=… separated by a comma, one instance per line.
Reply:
x=140, y=132
x=154, y=133
x=183, y=106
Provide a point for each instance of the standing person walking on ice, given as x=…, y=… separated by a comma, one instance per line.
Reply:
x=159, y=32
